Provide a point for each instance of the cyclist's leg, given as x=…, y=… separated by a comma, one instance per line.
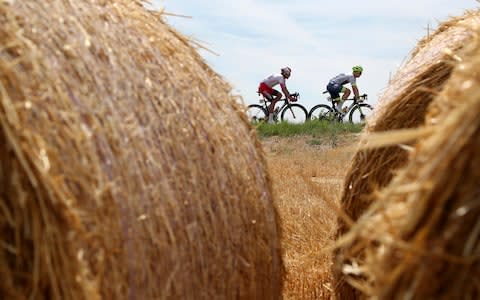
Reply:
x=266, y=91
x=267, y=96
x=334, y=90
x=346, y=92
x=273, y=96
x=276, y=96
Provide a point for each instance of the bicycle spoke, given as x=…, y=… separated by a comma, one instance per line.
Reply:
x=322, y=112
x=360, y=113
x=256, y=114
x=294, y=114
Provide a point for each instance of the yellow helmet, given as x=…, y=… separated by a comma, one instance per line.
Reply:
x=357, y=69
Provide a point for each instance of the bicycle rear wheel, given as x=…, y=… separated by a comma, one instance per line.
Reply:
x=360, y=112
x=256, y=113
x=294, y=114
x=322, y=112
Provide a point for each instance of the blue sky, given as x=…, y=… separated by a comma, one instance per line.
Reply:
x=252, y=39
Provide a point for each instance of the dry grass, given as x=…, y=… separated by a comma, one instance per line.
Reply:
x=403, y=197
x=307, y=181
x=127, y=169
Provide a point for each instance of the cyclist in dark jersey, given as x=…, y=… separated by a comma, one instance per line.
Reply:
x=336, y=85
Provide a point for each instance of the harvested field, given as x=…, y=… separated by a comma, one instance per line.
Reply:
x=307, y=175
x=425, y=95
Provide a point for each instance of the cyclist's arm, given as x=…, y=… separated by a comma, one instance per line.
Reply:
x=285, y=91
x=355, y=91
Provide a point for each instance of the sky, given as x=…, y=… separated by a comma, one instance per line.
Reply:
x=250, y=39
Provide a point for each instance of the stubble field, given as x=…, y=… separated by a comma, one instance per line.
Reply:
x=307, y=175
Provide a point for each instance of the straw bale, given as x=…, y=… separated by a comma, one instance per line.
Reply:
x=421, y=235
x=403, y=105
x=127, y=168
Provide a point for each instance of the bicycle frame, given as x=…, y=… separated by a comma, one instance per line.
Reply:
x=287, y=111
x=349, y=108
x=265, y=101
x=330, y=112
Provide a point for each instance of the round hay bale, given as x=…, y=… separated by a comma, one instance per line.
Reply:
x=403, y=105
x=421, y=235
x=127, y=169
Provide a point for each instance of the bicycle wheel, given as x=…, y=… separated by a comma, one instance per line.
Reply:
x=294, y=114
x=360, y=113
x=322, y=112
x=256, y=113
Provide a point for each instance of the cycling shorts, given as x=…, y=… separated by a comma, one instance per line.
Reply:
x=334, y=89
x=264, y=89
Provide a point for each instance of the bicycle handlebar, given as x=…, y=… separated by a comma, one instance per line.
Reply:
x=363, y=97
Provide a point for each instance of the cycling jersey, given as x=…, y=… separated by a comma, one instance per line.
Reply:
x=273, y=80
x=343, y=79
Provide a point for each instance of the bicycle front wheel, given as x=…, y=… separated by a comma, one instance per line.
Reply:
x=322, y=112
x=256, y=114
x=294, y=114
x=360, y=113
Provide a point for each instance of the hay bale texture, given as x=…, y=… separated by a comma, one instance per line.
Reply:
x=422, y=232
x=127, y=170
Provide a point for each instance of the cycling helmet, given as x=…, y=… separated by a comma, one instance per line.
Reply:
x=286, y=71
x=357, y=69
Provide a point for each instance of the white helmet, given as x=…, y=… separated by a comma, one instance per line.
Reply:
x=286, y=71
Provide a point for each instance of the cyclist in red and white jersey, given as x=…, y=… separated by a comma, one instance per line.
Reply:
x=336, y=86
x=267, y=90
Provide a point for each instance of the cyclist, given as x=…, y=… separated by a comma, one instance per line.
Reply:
x=336, y=86
x=272, y=95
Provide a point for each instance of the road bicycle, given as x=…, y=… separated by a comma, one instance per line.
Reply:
x=357, y=111
x=293, y=113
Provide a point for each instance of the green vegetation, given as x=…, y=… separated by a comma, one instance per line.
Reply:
x=313, y=128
